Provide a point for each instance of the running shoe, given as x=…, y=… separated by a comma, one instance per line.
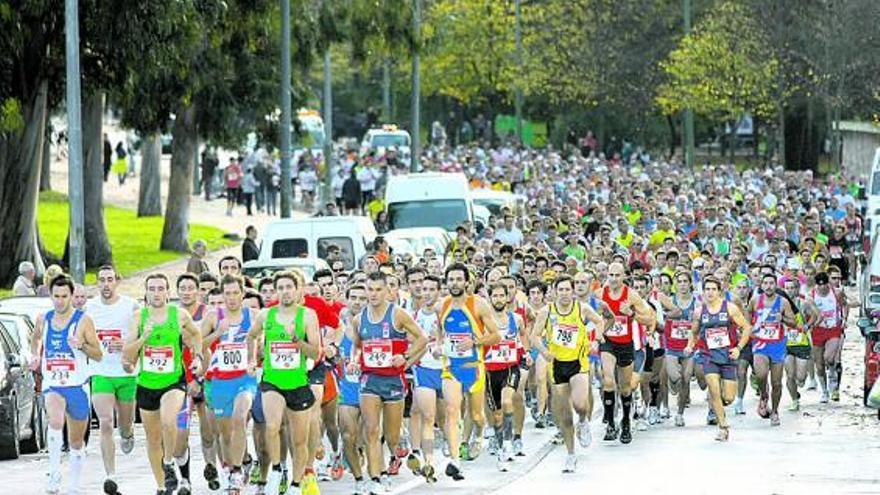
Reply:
x=653, y=415
x=445, y=447
x=273, y=482
x=641, y=424
x=493, y=446
x=212, y=477
x=625, y=434
x=811, y=383
x=507, y=452
x=570, y=464
x=557, y=438
x=322, y=469
x=464, y=452
x=454, y=472
x=738, y=408
x=337, y=470
x=711, y=418
x=584, y=434
x=385, y=481
x=110, y=487
x=428, y=472
x=413, y=462
x=402, y=450
x=824, y=398
x=774, y=419
x=126, y=443
x=293, y=490
x=501, y=465
x=54, y=485
x=394, y=465
x=540, y=422
x=375, y=488
x=361, y=487
x=518, y=447
x=723, y=434
x=610, y=433
x=665, y=413
x=679, y=420
x=170, y=477
x=762, y=408
x=835, y=395
x=236, y=481
x=795, y=405
x=309, y=485
x=185, y=488
x=475, y=448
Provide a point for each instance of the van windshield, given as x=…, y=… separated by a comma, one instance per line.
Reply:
x=444, y=213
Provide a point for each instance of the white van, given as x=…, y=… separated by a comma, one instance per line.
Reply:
x=311, y=238
x=430, y=199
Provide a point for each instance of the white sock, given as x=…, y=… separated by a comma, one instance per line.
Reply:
x=53, y=442
x=77, y=459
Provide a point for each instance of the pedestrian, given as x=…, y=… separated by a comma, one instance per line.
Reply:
x=336, y=185
x=272, y=187
x=208, y=167
x=24, y=284
x=108, y=157
x=249, y=248
x=261, y=174
x=197, y=264
x=232, y=177
x=249, y=186
x=120, y=166
x=381, y=222
x=308, y=183
x=351, y=193
x=367, y=175
x=51, y=272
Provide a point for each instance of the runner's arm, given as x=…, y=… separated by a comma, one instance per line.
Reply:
x=313, y=334
x=89, y=343
x=37, y=340
x=192, y=338
x=788, y=316
x=418, y=342
x=134, y=342
x=695, y=328
x=490, y=335
x=523, y=332
x=644, y=313
x=538, y=329
x=737, y=316
x=209, y=325
x=592, y=316
x=255, y=334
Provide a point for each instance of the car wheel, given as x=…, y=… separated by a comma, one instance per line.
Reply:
x=37, y=441
x=9, y=447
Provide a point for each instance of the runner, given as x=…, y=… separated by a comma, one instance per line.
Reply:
x=798, y=353
x=826, y=336
x=63, y=342
x=713, y=329
x=428, y=390
x=349, y=390
x=769, y=312
x=387, y=341
x=232, y=387
x=616, y=347
x=113, y=388
x=679, y=317
x=467, y=327
x=155, y=342
x=517, y=302
x=564, y=325
x=284, y=387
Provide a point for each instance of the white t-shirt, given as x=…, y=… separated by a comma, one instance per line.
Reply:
x=429, y=323
x=308, y=179
x=112, y=322
x=511, y=237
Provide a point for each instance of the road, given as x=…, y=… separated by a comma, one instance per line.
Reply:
x=824, y=448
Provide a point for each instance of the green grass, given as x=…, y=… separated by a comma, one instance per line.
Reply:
x=134, y=241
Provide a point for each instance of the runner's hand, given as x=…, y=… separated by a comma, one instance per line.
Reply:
x=34, y=363
x=529, y=361
x=252, y=368
x=352, y=368
x=74, y=341
x=734, y=353
x=465, y=344
x=193, y=389
x=688, y=350
x=398, y=361
x=329, y=351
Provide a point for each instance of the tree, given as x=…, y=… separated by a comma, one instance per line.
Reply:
x=723, y=70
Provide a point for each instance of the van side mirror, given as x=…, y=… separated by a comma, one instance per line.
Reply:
x=864, y=324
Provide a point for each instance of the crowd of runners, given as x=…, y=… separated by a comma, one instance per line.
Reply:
x=636, y=285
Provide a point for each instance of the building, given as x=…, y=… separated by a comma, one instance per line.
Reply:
x=860, y=142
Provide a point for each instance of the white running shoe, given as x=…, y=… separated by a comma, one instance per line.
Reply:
x=653, y=415
x=126, y=443
x=53, y=486
x=811, y=384
x=273, y=482
x=571, y=462
x=824, y=399
x=665, y=413
x=507, y=452
x=679, y=420
x=502, y=466
x=738, y=406
x=361, y=488
x=518, y=447
x=584, y=434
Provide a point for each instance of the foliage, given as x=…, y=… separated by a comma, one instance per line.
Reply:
x=131, y=253
x=724, y=69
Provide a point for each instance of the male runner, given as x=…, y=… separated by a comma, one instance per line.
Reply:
x=826, y=335
x=679, y=322
x=155, y=343
x=617, y=348
x=349, y=389
x=769, y=312
x=113, y=388
x=289, y=335
x=387, y=341
x=467, y=327
x=564, y=325
x=232, y=388
x=798, y=353
x=64, y=339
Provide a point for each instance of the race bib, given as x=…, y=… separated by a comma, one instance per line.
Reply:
x=503, y=353
x=565, y=335
x=829, y=319
x=351, y=377
x=792, y=334
x=769, y=331
x=681, y=330
x=284, y=356
x=60, y=370
x=619, y=328
x=450, y=346
x=717, y=338
x=231, y=357
x=158, y=360
x=377, y=353
x=108, y=336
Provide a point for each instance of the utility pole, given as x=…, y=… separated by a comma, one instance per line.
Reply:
x=416, y=148
x=285, y=109
x=688, y=113
x=519, y=63
x=74, y=131
x=328, y=128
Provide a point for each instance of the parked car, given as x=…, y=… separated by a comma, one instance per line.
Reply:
x=414, y=241
x=308, y=266
x=31, y=306
x=22, y=412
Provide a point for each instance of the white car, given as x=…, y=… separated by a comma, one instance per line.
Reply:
x=495, y=200
x=308, y=266
x=414, y=241
x=387, y=137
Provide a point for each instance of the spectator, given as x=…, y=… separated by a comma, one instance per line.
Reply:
x=249, y=186
x=351, y=193
x=197, y=264
x=272, y=188
x=108, y=157
x=24, y=284
x=249, y=249
x=367, y=175
x=232, y=177
x=209, y=166
x=120, y=166
x=51, y=272
x=337, y=185
x=381, y=222
x=381, y=250
x=308, y=183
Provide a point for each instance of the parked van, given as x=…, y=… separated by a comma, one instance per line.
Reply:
x=430, y=199
x=312, y=237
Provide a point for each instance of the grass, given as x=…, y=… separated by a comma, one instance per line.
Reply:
x=134, y=241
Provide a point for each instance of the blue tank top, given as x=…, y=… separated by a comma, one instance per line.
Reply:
x=62, y=365
x=457, y=324
x=229, y=359
x=717, y=335
x=380, y=342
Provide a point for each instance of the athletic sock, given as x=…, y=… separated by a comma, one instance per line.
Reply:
x=608, y=404
x=77, y=458
x=655, y=393
x=183, y=465
x=54, y=442
x=276, y=467
x=626, y=403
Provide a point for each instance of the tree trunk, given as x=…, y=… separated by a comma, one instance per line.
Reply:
x=46, y=170
x=673, y=135
x=20, y=163
x=386, y=90
x=175, y=232
x=150, y=193
x=97, y=244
